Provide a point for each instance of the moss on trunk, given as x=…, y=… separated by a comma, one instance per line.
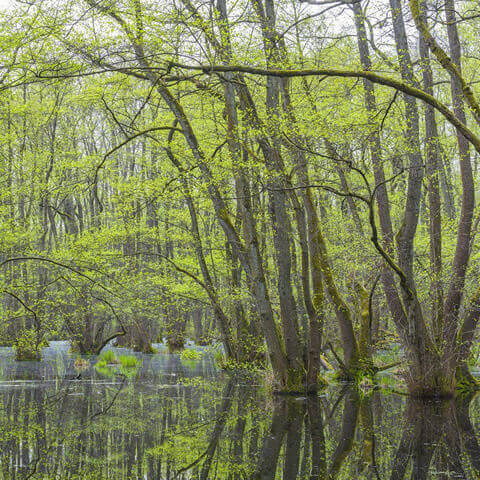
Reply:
x=466, y=383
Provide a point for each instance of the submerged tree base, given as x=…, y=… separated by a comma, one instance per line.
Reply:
x=144, y=348
x=437, y=386
x=175, y=347
x=358, y=370
x=296, y=384
x=27, y=356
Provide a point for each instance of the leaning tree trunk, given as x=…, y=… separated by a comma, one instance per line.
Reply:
x=462, y=252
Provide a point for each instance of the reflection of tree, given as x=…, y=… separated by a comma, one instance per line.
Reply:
x=273, y=442
x=437, y=436
x=207, y=456
x=349, y=426
x=161, y=426
x=468, y=436
x=317, y=439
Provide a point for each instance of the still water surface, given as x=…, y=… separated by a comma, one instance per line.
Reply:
x=182, y=420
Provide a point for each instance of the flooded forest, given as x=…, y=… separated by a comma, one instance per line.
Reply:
x=238, y=239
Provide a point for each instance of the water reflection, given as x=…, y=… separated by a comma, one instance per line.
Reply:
x=181, y=421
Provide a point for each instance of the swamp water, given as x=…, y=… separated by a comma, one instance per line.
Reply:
x=178, y=419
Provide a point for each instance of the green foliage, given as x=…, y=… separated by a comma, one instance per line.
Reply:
x=473, y=360
x=27, y=346
x=190, y=357
x=221, y=360
x=190, y=354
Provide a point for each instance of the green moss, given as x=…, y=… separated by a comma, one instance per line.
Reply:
x=148, y=349
x=360, y=370
x=109, y=365
x=466, y=383
x=295, y=381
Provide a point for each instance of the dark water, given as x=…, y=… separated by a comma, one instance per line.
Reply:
x=174, y=419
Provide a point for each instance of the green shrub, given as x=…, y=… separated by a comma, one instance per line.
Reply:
x=190, y=354
x=27, y=346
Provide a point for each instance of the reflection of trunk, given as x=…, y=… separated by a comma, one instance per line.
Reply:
x=238, y=434
x=401, y=459
x=468, y=435
x=317, y=438
x=227, y=396
x=306, y=457
x=347, y=435
x=437, y=431
x=295, y=415
x=287, y=420
x=367, y=457
x=272, y=443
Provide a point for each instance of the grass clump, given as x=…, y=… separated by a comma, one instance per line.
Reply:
x=128, y=361
x=109, y=364
x=106, y=359
x=129, y=365
x=109, y=358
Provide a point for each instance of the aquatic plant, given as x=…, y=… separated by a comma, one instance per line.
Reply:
x=190, y=354
x=128, y=361
x=109, y=357
x=81, y=364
